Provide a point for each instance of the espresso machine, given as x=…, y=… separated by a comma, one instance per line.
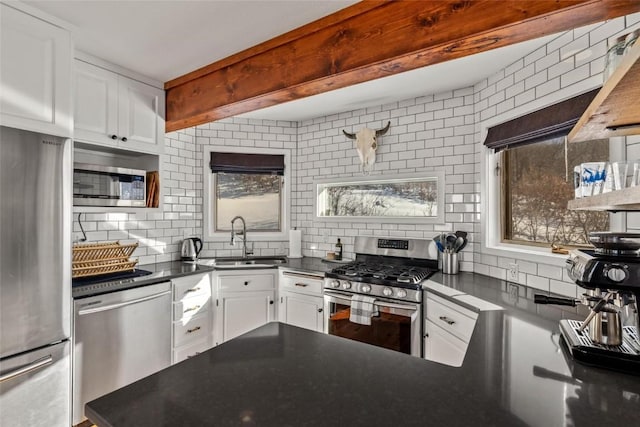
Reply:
x=610, y=274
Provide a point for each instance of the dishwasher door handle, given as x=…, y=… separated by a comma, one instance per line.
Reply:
x=121, y=304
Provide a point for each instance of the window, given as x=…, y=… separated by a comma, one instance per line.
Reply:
x=528, y=180
x=537, y=183
x=251, y=184
x=256, y=197
x=410, y=199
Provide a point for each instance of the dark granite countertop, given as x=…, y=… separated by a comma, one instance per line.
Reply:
x=515, y=373
x=171, y=270
x=160, y=272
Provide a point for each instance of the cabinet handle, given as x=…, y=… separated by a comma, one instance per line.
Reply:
x=447, y=320
x=319, y=310
x=193, y=355
x=196, y=307
x=270, y=302
x=246, y=283
x=192, y=290
x=197, y=328
x=114, y=137
x=302, y=285
x=124, y=139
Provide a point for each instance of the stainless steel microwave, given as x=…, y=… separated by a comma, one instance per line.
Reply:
x=96, y=185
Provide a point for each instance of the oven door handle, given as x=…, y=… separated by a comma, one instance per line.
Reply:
x=411, y=307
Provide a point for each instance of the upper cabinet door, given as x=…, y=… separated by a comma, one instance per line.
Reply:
x=35, y=74
x=96, y=104
x=141, y=115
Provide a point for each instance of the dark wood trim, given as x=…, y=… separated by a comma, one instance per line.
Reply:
x=369, y=40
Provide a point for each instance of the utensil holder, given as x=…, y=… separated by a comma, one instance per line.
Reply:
x=450, y=263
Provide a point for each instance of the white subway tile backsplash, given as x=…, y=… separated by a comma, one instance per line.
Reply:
x=438, y=131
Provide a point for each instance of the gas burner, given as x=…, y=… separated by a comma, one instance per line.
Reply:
x=387, y=274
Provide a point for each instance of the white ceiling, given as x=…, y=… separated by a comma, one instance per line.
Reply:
x=166, y=39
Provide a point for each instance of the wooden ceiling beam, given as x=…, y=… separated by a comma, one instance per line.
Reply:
x=366, y=41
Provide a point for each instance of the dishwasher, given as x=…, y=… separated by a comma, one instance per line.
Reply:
x=119, y=337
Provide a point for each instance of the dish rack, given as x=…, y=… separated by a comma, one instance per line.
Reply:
x=102, y=258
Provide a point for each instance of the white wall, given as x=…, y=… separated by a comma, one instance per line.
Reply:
x=441, y=131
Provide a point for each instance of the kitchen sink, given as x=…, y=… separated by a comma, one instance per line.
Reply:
x=240, y=263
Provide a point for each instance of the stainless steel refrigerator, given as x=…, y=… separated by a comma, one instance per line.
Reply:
x=35, y=279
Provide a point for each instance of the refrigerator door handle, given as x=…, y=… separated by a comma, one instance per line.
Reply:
x=120, y=304
x=38, y=364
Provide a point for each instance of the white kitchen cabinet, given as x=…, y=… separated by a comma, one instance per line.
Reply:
x=116, y=111
x=301, y=302
x=245, y=300
x=448, y=330
x=301, y=310
x=192, y=319
x=442, y=347
x=35, y=74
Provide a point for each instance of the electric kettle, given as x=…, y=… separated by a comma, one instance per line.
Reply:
x=191, y=248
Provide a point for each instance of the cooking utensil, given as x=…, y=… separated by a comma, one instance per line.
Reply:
x=462, y=234
x=458, y=244
x=450, y=242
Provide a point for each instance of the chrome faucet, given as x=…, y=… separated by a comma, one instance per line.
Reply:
x=245, y=252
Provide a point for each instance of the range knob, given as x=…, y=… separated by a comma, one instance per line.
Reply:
x=366, y=288
x=401, y=293
x=387, y=292
x=346, y=285
x=616, y=273
x=334, y=284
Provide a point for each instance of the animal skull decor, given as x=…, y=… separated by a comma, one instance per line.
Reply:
x=367, y=144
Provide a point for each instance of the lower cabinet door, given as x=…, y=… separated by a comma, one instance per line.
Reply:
x=241, y=312
x=443, y=347
x=301, y=310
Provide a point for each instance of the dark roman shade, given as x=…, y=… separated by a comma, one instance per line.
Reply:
x=265, y=164
x=554, y=121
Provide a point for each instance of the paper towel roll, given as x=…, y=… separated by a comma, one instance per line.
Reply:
x=295, y=243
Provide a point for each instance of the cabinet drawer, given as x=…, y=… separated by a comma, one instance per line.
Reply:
x=185, y=352
x=246, y=283
x=451, y=317
x=190, y=307
x=190, y=286
x=191, y=330
x=300, y=282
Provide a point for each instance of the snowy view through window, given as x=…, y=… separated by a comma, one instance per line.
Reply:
x=392, y=198
x=255, y=197
x=538, y=187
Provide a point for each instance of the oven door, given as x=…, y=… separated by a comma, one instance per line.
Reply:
x=396, y=328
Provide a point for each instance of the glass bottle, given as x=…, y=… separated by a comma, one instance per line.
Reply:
x=338, y=251
x=630, y=40
x=614, y=55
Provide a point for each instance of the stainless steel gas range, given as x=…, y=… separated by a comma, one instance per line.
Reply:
x=387, y=274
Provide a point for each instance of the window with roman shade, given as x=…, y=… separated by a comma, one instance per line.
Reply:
x=536, y=170
x=247, y=184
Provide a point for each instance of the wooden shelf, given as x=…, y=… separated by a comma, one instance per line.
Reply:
x=616, y=105
x=620, y=200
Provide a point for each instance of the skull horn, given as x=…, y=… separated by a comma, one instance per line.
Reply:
x=380, y=132
x=349, y=135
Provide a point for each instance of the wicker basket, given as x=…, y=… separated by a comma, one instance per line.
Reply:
x=102, y=258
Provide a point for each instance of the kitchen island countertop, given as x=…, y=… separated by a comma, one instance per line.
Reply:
x=515, y=373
